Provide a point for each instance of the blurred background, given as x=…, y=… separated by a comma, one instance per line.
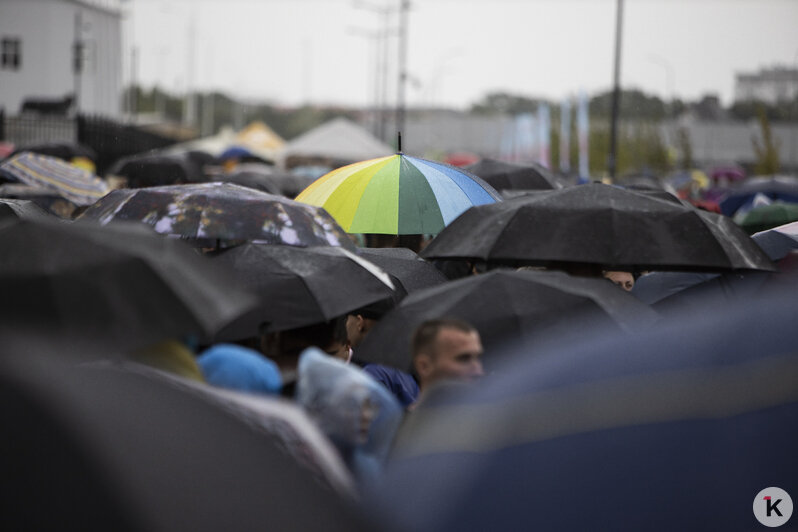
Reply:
x=701, y=84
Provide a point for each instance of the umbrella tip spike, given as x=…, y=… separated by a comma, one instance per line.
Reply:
x=399, y=142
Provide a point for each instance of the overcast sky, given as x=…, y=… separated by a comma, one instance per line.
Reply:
x=325, y=51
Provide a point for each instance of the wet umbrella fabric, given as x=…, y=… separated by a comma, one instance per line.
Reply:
x=410, y=271
x=654, y=287
x=767, y=216
x=301, y=286
x=15, y=208
x=510, y=176
x=62, y=150
x=598, y=224
x=79, y=186
x=224, y=211
x=267, y=179
x=506, y=306
x=119, y=286
x=397, y=195
x=784, y=188
x=696, y=414
x=116, y=449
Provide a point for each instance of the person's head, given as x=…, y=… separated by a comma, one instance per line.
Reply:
x=359, y=322
x=623, y=279
x=284, y=347
x=446, y=349
x=339, y=344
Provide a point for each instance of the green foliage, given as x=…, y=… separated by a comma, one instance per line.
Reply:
x=634, y=104
x=640, y=149
x=751, y=109
x=504, y=103
x=767, y=153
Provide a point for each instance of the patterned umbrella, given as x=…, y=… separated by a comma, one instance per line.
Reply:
x=222, y=211
x=79, y=186
x=397, y=195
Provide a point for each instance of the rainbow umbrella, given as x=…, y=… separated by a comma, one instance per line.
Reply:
x=397, y=195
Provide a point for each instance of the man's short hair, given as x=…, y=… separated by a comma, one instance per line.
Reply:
x=425, y=335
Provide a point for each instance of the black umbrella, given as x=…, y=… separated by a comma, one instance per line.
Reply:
x=156, y=170
x=510, y=176
x=777, y=243
x=17, y=208
x=405, y=266
x=301, y=286
x=602, y=225
x=505, y=306
x=63, y=150
x=113, y=449
x=120, y=286
x=267, y=178
x=222, y=211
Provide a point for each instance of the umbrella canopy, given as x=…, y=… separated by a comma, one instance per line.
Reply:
x=120, y=449
x=120, y=286
x=66, y=151
x=301, y=286
x=154, y=170
x=777, y=243
x=767, y=216
x=506, y=306
x=75, y=184
x=267, y=178
x=695, y=414
x=510, y=176
x=783, y=188
x=598, y=224
x=397, y=195
x=405, y=266
x=46, y=199
x=224, y=211
x=17, y=208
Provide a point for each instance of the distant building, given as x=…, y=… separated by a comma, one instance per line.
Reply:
x=773, y=85
x=62, y=55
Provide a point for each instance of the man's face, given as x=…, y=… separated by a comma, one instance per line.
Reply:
x=354, y=326
x=457, y=355
x=623, y=279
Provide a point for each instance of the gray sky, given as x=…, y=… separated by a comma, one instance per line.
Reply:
x=323, y=51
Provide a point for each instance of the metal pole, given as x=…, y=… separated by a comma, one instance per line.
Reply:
x=400, y=94
x=77, y=57
x=612, y=159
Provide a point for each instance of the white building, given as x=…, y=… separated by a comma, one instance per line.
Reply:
x=42, y=42
x=772, y=85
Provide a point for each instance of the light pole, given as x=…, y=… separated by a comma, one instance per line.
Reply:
x=404, y=6
x=612, y=159
x=381, y=62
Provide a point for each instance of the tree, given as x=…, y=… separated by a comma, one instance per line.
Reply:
x=767, y=153
x=504, y=103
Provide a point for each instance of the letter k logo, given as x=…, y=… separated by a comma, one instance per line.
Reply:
x=772, y=506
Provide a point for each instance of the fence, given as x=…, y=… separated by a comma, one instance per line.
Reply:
x=109, y=139
x=113, y=141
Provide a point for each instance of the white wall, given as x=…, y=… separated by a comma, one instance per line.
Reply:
x=47, y=30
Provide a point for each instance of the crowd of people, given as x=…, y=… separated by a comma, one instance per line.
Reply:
x=360, y=406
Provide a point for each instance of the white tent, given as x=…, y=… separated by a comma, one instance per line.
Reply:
x=339, y=141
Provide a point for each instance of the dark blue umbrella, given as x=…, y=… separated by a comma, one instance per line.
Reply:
x=679, y=428
x=658, y=287
x=783, y=188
